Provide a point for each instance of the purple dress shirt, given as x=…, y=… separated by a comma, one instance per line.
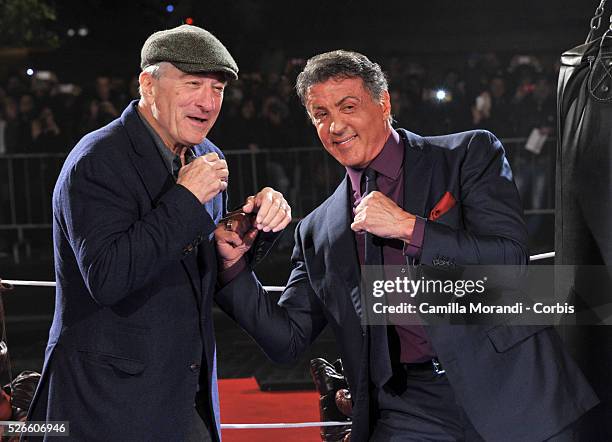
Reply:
x=389, y=166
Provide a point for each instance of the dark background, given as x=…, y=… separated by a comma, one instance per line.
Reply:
x=253, y=29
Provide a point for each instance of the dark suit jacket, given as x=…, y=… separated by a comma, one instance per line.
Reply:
x=515, y=383
x=132, y=338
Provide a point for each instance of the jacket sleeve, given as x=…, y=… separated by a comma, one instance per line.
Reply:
x=282, y=330
x=494, y=230
x=119, y=250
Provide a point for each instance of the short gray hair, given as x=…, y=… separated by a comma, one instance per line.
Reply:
x=156, y=70
x=342, y=64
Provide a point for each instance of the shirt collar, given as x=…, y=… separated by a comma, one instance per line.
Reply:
x=167, y=155
x=388, y=162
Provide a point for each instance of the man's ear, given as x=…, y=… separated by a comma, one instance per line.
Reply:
x=385, y=102
x=145, y=80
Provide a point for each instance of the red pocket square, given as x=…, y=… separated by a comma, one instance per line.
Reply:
x=446, y=203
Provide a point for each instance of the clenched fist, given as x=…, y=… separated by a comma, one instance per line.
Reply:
x=205, y=177
x=380, y=216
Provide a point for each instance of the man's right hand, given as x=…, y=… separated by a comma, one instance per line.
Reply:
x=234, y=236
x=205, y=176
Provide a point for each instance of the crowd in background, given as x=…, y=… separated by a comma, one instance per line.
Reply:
x=39, y=113
x=514, y=98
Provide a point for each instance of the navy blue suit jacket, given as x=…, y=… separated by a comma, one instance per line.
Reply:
x=515, y=383
x=132, y=338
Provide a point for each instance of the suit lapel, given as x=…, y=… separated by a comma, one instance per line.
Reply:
x=417, y=173
x=154, y=174
x=343, y=251
x=146, y=159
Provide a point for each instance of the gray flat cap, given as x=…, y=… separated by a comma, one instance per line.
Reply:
x=190, y=49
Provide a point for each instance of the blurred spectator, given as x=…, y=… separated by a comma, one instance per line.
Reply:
x=490, y=64
x=119, y=94
x=476, y=79
x=9, y=134
x=277, y=135
x=536, y=117
x=133, y=88
x=25, y=117
x=46, y=134
x=536, y=107
x=42, y=86
x=101, y=106
x=102, y=87
x=251, y=133
x=276, y=131
x=411, y=107
x=492, y=109
x=67, y=110
x=97, y=114
x=15, y=87
x=525, y=62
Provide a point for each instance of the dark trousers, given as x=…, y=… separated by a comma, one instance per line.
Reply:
x=428, y=411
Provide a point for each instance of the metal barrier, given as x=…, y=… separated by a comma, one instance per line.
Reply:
x=534, y=174
x=305, y=175
x=26, y=187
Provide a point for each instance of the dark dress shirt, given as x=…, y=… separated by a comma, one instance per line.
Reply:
x=389, y=165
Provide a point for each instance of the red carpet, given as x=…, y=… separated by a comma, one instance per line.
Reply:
x=243, y=403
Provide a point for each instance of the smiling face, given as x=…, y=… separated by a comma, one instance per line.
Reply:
x=352, y=125
x=181, y=107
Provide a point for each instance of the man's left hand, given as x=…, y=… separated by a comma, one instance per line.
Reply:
x=273, y=211
x=380, y=216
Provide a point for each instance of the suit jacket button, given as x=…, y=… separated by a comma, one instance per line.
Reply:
x=194, y=368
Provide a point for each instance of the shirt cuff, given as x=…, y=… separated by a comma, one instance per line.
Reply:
x=224, y=277
x=414, y=247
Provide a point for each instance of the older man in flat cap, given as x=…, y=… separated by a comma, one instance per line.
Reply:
x=131, y=352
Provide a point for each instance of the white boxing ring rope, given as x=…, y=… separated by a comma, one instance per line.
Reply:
x=542, y=256
x=269, y=288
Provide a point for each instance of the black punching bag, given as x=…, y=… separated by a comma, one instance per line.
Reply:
x=583, y=212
